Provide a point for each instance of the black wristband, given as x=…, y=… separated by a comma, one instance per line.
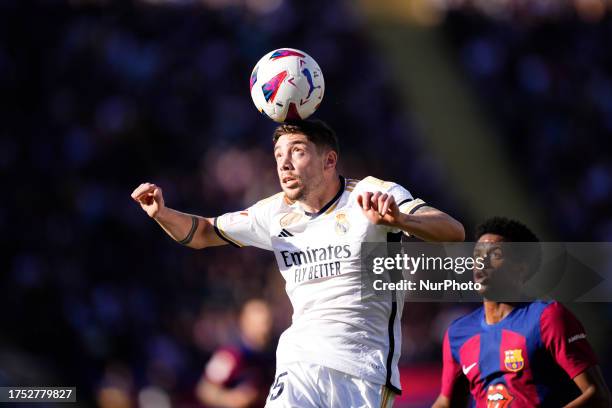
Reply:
x=195, y=221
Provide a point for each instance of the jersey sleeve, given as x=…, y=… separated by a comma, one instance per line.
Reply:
x=565, y=338
x=406, y=203
x=250, y=227
x=451, y=370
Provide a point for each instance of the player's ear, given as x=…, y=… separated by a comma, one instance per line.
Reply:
x=331, y=159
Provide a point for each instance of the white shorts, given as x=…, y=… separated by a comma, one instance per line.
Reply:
x=305, y=385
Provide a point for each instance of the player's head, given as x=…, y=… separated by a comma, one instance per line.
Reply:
x=506, y=266
x=256, y=323
x=306, y=154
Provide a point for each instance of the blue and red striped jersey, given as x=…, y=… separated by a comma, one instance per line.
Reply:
x=522, y=361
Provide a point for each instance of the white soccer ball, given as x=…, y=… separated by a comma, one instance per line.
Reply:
x=287, y=84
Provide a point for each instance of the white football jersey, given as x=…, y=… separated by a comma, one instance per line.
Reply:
x=319, y=257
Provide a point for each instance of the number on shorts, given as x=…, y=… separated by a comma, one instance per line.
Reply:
x=278, y=387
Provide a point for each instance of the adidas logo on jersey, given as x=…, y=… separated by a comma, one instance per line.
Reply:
x=284, y=233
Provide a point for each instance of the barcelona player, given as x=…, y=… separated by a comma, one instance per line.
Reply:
x=239, y=375
x=515, y=355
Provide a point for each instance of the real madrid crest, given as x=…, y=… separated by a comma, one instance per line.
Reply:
x=342, y=224
x=514, y=360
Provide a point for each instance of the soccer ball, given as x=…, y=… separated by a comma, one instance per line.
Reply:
x=287, y=84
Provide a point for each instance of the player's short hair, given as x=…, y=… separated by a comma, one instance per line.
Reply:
x=317, y=131
x=514, y=231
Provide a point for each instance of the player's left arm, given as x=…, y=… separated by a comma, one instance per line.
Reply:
x=426, y=222
x=595, y=392
x=455, y=387
x=565, y=338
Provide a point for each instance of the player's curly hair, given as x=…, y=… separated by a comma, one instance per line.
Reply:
x=514, y=231
x=317, y=131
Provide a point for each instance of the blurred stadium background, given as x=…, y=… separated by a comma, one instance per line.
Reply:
x=480, y=107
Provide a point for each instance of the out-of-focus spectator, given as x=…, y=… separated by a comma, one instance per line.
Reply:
x=552, y=106
x=240, y=375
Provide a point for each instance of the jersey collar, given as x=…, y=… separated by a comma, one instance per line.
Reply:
x=331, y=202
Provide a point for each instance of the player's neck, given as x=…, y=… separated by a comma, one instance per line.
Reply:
x=317, y=200
x=495, y=312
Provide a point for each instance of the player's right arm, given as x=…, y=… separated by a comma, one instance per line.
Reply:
x=215, y=395
x=454, y=392
x=187, y=229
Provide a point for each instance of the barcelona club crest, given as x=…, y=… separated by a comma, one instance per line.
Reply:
x=342, y=224
x=514, y=360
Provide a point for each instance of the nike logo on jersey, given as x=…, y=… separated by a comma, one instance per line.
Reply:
x=467, y=369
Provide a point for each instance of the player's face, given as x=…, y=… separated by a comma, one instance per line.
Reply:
x=498, y=279
x=299, y=165
x=256, y=323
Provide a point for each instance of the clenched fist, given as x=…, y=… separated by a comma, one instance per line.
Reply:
x=379, y=208
x=150, y=198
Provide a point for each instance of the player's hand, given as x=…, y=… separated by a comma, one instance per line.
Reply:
x=379, y=208
x=150, y=198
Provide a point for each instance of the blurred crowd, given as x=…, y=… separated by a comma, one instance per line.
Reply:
x=591, y=11
x=97, y=98
x=549, y=89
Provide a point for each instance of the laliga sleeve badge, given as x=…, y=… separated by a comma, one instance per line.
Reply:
x=342, y=224
x=498, y=396
x=514, y=360
x=236, y=218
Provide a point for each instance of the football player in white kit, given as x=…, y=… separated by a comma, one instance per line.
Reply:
x=339, y=350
